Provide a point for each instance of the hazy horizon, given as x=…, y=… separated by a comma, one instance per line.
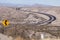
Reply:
x=32, y=2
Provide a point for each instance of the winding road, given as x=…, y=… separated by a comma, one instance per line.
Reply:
x=50, y=20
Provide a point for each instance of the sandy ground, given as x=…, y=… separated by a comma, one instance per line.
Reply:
x=5, y=37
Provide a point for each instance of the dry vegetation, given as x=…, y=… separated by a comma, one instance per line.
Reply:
x=23, y=32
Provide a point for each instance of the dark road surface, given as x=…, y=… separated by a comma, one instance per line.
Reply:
x=50, y=20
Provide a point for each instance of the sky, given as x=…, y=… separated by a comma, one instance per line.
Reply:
x=32, y=2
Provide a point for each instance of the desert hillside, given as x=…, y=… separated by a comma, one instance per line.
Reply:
x=30, y=23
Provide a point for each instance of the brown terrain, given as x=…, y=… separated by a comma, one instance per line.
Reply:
x=29, y=32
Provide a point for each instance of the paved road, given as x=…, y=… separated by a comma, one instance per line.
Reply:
x=50, y=20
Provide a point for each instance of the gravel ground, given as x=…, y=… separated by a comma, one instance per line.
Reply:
x=4, y=37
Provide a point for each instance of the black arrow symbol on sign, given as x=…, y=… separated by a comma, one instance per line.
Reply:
x=5, y=22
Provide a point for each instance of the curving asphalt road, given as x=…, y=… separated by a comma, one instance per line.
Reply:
x=50, y=20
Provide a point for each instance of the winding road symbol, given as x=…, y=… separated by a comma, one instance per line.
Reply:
x=5, y=23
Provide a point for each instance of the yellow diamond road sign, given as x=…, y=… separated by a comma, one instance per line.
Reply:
x=5, y=23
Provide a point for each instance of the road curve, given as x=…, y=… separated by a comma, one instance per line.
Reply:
x=50, y=20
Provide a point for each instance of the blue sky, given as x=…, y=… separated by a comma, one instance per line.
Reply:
x=31, y=2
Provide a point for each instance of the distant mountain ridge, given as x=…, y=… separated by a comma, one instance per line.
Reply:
x=20, y=5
